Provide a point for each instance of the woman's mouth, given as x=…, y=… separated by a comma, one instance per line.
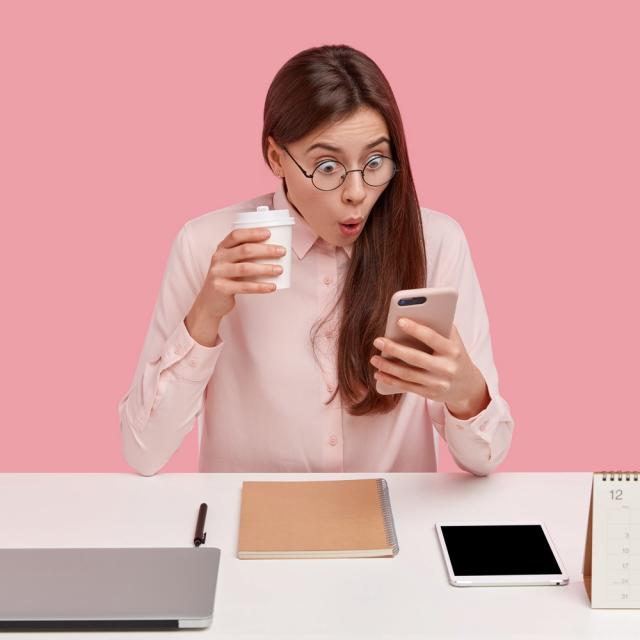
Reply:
x=350, y=229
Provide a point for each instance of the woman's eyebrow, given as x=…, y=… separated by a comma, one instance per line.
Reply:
x=324, y=145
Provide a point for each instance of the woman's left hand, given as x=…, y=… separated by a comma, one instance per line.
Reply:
x=447, y=375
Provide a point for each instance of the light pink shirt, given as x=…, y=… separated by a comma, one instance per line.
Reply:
x=258, y=394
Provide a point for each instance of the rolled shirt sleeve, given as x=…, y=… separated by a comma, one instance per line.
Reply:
x=480, y=443
x=167, y=390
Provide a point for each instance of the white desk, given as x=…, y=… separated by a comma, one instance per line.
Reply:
x=404, y=597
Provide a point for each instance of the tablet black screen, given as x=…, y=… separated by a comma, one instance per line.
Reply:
x=481, y=550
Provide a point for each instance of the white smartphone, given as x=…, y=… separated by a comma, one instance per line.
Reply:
x=434, y=307
x=500, y=554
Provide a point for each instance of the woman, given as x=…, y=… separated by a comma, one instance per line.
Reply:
x=286, y=381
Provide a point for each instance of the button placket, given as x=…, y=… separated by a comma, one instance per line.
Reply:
x=327, y=274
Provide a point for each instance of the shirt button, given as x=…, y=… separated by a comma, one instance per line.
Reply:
x=326, y=280
x=330, y=388
x=333, y=441
x=192, y=363
x=483, y=426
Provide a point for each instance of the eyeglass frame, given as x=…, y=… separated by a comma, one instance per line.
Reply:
x=347, y=171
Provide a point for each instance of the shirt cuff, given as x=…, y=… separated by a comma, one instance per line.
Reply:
x=477, y=423
x=189, y=359
x=481, y=442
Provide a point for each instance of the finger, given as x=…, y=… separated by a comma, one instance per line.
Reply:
x=411, y=356
x=425, y=334
x=240, y=236
x=245, y=270
x=251, y=251
x=403, y=372
x=255, y=287
x=400, y=385
x=232, y=287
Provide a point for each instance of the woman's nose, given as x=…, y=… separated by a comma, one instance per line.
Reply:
x=357, y=184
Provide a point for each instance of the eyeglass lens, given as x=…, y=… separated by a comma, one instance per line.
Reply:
x=331, y=174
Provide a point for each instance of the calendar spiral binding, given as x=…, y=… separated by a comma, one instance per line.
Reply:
x=620, y=475
x=389, y=526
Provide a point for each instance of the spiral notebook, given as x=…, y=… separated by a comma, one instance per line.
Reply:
x=316, y=519
x=611, y=568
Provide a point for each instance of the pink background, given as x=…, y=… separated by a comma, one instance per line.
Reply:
x=122, y=120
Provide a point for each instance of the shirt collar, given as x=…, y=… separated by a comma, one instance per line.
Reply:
x=304, y=237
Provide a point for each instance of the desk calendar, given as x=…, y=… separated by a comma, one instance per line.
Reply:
x=611, y=568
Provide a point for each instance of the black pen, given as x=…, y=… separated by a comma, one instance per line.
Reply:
x=200, y=536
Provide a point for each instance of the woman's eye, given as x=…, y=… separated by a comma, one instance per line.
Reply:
x=331, y=166
x=328, y=166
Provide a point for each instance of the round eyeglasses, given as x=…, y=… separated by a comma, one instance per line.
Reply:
x=330, y=174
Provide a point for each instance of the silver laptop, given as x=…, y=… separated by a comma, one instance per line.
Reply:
x=107, y=588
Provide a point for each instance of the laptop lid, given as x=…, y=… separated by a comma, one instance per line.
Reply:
x=107, y=588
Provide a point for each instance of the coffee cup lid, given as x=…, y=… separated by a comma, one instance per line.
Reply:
x=263, y=216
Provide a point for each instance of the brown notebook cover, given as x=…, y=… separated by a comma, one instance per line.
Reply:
x=316, y=519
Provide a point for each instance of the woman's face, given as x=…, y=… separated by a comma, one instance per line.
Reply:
x=324, y=211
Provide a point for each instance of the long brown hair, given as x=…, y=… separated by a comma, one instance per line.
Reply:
x=318, y=87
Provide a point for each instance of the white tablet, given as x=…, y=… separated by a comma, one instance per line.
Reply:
x=500, y=554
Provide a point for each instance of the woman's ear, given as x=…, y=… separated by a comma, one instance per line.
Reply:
x=274, y=156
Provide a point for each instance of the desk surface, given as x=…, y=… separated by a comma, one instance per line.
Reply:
x=404, y=597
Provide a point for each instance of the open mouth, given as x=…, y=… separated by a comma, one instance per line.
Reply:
x=350, y=229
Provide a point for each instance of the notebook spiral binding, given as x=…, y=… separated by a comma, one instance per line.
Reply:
x=620, y=475
x=389, y=526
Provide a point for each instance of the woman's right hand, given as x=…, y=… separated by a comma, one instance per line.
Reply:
x=230, y=272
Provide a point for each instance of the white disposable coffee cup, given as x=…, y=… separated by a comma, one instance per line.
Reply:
x=280, y=223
